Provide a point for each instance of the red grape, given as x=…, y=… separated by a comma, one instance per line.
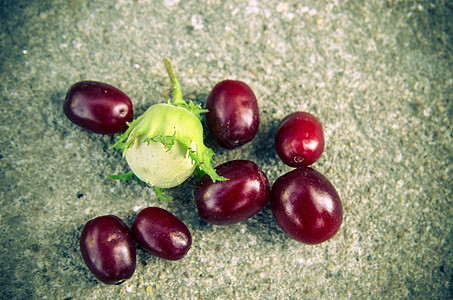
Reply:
x=98, y=107
x=242, y=196
x=161, y=233
x=306, y=206
x=299, y=140
x=233, y=115
x=108, y=249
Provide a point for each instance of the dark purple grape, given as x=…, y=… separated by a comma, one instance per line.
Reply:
x=299, y=140
x=98, y=107
x=233, y=115
x=306, y=206
x=161, y=233
x=243, y=195
x=108, y=249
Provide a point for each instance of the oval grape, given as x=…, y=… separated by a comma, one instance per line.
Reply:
x=98, y=107
x=108, y=249
x=233, y=114
x=306, y=206
x=161, y=233
x=243, y=195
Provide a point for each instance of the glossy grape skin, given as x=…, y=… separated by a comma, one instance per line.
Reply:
x=108, y=249
x=235, y=200
x=233, y=114
x=98, y=107
x=306, y=206
x=299, y=140
x=161, y=233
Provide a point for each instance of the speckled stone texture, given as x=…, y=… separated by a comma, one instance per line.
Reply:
x=378, y=74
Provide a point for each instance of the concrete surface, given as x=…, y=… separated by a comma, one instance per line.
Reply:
x=378, y=74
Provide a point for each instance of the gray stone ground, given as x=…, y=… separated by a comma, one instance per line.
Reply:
x=378, y=74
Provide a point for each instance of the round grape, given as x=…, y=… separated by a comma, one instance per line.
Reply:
x=299, y=140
